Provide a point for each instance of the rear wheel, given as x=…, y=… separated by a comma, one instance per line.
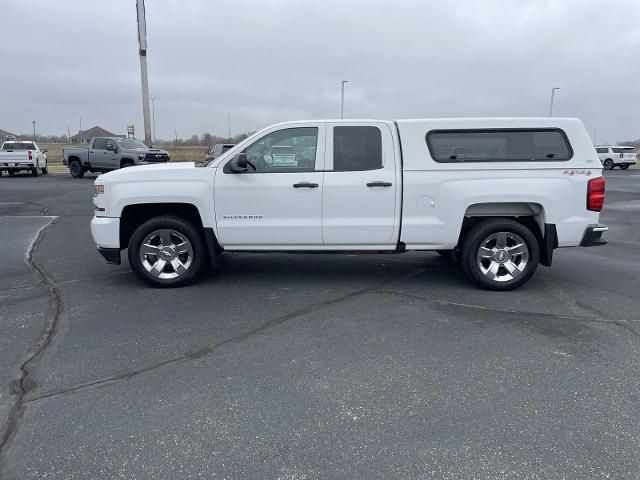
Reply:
x=167, y=251
x=624, y=166
x=500, y=254
x=608, y=164
x=76, y=170
x=34, y=172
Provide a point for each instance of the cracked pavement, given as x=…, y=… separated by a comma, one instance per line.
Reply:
x=302, y=366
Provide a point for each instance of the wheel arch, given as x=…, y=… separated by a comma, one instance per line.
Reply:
x=134, y=215
x=530, y=214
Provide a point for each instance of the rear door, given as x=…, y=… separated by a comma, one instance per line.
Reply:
x=277, y=202
x=98, y=154
x=361, y=193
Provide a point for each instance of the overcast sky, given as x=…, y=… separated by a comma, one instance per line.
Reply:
x=276, y=60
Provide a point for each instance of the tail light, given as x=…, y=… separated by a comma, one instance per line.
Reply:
x=30, y=157
x=595, y=194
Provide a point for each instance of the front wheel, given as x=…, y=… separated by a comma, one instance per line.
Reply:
x=45, y=169
x=167, y=251
x=624, y=166
x=500, y=254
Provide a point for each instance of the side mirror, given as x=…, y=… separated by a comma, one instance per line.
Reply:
x=44, y=150
x=239, y=163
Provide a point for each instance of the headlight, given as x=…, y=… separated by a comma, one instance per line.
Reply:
x=141, y=156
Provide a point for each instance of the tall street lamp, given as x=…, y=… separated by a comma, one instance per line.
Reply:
x=342, y=98
x=34, y=130
x=553, y=94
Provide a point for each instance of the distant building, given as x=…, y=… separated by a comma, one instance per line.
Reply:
x=4, y=136
x=86, y=135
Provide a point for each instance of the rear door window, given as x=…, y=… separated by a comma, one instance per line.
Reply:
x=498, y=145
x=100, y=144
x=357, y=148
x=602, y=150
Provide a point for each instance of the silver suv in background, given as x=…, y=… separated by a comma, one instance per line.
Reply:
x=217, y=150
x=616, y=156
x=110, y=153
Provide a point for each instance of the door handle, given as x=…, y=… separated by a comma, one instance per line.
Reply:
x=305, y=185
x=379, y=184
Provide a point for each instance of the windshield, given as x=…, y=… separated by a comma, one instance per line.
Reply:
x=130, y=143
x=18, y=146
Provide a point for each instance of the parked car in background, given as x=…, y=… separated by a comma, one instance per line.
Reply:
x=111, y=153
x=217, y=150
x=616, y=156
x=522, y=188
x=16, y=156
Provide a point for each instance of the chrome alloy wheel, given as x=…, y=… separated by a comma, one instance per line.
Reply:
x=503, y=256
x=166, y=254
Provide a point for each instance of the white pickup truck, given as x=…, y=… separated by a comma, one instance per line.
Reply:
x=499, y=195
x=16, y=156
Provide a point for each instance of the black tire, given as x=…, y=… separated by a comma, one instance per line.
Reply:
x=12, y=173
x=127, y=164
x=34, y=172
x=174, y=224
x=608, y=164
x=624, y=166
x=75, y=169
x=45, y=169
x=483, y=231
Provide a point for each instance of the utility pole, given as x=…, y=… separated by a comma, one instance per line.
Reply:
x=342, y=99
x=176, y=132
x=153, y=116
x=34, y=130
x=553, y=94
x=80, y=131
x=229, y=124
x=142, y=42
x=68, y=133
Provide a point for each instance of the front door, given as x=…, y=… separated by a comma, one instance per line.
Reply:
x=361, y=196
x=98, y=154
x=277, y=202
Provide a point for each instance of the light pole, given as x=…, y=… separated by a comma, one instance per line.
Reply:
x=342, y=99
x=142, y=42
x=34, y=130
x=553, y=94
x=153, y=119
x=229, y=124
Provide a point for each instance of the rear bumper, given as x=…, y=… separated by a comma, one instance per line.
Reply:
x=594, y=235
x=16, y=165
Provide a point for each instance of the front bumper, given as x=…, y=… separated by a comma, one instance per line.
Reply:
x=106, y=232
x=594, y=235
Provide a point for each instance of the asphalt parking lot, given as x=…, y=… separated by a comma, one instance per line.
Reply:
x=304, y=367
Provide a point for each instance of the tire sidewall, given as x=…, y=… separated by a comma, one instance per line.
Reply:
x=175, y=223
x=483, y=230
x=75, y=165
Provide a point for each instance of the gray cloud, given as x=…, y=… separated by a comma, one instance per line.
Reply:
x=270, y=61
